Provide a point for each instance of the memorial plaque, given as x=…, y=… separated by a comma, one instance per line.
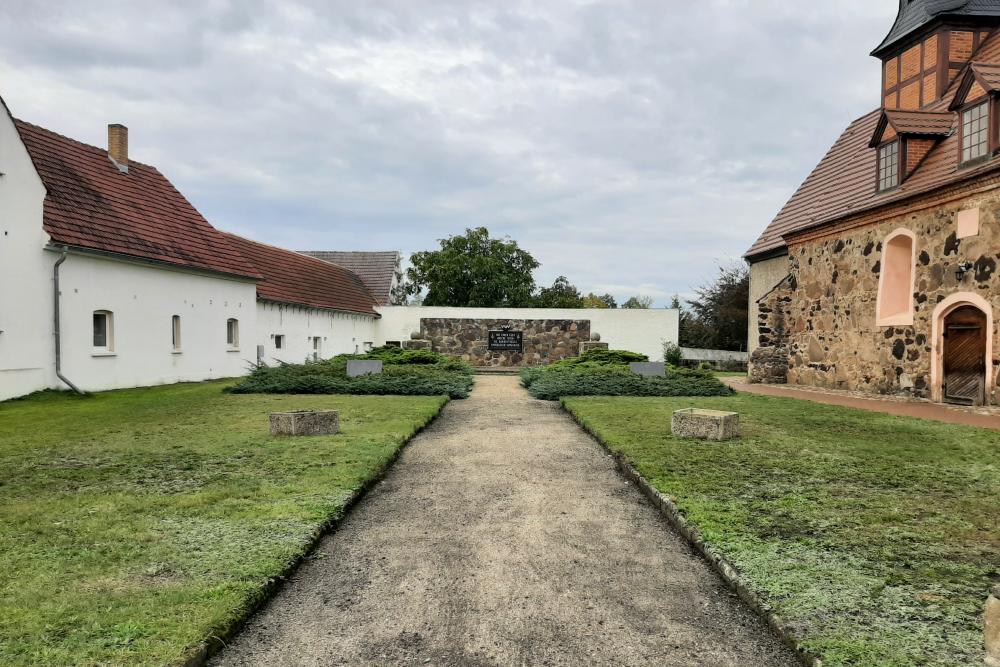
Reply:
x=506, y=341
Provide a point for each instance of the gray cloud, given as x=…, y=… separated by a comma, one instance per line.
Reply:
x=629, y=144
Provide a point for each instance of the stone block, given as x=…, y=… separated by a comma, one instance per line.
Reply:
x=588, y=345
x=363, y=367
x=705, y=424
x=416, y=345
x=992, y=629
x=323, y=422
x=649, y=369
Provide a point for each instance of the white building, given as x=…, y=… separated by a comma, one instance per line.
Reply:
x=110, y=278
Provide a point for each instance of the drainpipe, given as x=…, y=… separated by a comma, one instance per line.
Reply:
x=55, y=318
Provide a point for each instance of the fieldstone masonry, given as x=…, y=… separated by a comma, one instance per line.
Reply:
x=822, y=318
x=545, y=341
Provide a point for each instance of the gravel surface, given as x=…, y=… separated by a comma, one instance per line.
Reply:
x=504, y=536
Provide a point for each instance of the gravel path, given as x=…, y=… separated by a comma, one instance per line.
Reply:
x=504, y=536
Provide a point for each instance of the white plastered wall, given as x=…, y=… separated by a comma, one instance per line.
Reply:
x=642, y=331
x=341, y=333
x=764, y=276
x=26, y=342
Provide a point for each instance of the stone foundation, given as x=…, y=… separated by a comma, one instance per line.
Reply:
x=769, y=365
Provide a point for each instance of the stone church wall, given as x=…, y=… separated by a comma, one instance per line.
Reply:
x=544, y=341
x=828, y=304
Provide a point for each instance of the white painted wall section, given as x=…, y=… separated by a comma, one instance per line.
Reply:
x=339, y=333
x=642, y=331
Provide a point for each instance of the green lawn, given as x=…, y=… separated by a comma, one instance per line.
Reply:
x=876, y=538
x=135, y=524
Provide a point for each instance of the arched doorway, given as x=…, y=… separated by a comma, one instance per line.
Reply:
x=964, y=356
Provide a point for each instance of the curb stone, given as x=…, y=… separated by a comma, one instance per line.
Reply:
x=200, y=654
x=726, y=570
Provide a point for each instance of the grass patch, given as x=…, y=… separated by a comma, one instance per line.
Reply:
x=406, y=373
x=135, y=524
x=876, y=538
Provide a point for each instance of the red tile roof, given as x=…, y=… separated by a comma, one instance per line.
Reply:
x=377, y=268
x=843, y=183
x=91, y=204
x=294, y=278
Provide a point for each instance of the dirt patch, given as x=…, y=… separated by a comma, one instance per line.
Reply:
x=504, y=536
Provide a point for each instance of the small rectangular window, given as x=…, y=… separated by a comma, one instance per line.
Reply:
x=279, y=341
x=233, y=333
x=104, y=336
x=175, y=332
x=888, y=166
x=975, y=132
x=317, y=347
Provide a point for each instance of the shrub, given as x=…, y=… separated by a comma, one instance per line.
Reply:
x=551, y=385
x=672, y=353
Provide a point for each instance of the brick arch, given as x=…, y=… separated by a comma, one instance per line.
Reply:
x=941, y=312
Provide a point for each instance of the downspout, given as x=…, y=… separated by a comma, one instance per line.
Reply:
x=55, y=318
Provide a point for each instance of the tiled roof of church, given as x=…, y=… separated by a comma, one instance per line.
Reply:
x=843, y=183
x=293, y=278
x=90, y=204
x=377, y=269
x=915, y=14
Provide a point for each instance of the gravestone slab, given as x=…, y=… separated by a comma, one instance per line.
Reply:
x=588, y=345
x=320, y=422
x=705, y=424
x=363, y=367
x=992, y=629
x=649, y=369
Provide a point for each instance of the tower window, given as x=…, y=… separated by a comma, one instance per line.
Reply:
x=975, y=132
x=888, y=166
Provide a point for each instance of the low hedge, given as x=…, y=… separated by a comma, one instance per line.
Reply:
x=405, y=373
x=555, y=384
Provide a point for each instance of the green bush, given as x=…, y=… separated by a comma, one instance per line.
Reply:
x=672, y=353
x=551, y=385
x=601, y=358
x=405, y=373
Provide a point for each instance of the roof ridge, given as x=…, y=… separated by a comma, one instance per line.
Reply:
x=82, y=144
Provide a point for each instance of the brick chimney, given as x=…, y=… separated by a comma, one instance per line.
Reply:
x=118, y=146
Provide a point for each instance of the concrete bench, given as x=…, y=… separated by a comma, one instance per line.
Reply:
x=705, y=424
x=305, y=422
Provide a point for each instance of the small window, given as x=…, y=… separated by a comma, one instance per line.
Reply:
x=317, y=347
x=888, y=166
x=233, y=333
x=104, y=331
x=975, y=132
x=175, y=332
x=279, y=342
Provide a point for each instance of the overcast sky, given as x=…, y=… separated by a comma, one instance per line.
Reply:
x=630, y=145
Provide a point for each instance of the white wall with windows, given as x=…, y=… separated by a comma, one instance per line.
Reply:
x=293, y=334
x=128, y=324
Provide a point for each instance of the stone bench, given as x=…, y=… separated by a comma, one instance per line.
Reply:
x=992, y=629
x=705, y=424
x=305, y=422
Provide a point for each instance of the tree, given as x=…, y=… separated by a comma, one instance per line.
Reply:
x=562, y=294
x=639, y=303
x=719, y=315
x=473, y=270
x=604, y=301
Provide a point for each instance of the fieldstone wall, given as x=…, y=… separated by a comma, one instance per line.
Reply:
x=545, y=341
x=826, y=309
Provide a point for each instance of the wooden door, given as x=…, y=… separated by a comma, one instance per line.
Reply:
x=965, y=356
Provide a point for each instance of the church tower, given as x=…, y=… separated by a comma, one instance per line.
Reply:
x=928, y=45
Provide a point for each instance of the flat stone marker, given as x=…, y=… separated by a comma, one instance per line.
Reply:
x=359, y=368
x=320, y=422
x=705, y=424
x=649, y=369
x=992, y=629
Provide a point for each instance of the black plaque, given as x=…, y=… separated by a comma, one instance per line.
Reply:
x=506, y=341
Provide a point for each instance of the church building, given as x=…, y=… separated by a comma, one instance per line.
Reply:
x=880, y=273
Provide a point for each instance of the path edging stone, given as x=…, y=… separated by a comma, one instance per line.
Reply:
x=200, y=654
x=726, y=570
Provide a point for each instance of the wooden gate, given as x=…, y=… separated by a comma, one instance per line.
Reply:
x=965, y=356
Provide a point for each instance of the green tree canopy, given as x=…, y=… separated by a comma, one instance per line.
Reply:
x=639, y=303
x=562, y=294
x=603, y=301
x=473, y=270
x=718, y=317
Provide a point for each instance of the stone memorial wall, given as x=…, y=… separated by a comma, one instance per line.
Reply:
x=506, y=343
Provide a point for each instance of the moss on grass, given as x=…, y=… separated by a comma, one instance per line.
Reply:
x=877, y=538
x=135, y=524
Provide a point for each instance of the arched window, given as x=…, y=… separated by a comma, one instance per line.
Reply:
x=894, y=306
x=104, y=332
x=233, y=333
x=175, y=332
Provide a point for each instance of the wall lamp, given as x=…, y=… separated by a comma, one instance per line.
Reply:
x=963, y=269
